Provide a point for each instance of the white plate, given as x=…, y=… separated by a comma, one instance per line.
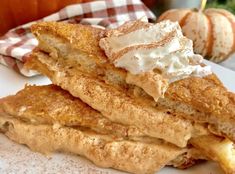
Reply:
x=15, y=158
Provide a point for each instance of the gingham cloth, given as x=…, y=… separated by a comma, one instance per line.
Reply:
x=17, y=44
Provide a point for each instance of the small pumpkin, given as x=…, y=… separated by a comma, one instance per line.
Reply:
x=17, y=12
x=212, y=30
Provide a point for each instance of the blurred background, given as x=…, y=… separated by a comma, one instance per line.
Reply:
x=17, y=12
x=159, y=6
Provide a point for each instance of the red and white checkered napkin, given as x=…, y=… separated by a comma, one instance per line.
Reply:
x=17, y=44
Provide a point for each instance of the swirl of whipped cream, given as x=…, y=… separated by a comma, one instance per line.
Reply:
x=141, y=47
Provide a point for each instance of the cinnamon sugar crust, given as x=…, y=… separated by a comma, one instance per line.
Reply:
x=206, y=98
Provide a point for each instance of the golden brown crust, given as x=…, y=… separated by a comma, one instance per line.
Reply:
x=82, y=44
x=51, y=108
x=104, y=150
x=188, y=159
x=73, y=34
x=105, y=98
x=114, y=104
x=208, y=96
x=52, y=138
x=52, y=105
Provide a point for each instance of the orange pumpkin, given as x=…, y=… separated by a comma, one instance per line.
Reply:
x=212, y=30
x=17, y=12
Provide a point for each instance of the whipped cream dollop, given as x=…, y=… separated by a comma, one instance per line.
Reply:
x=159, y=46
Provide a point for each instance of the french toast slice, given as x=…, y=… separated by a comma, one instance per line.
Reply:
x=51, y=105
x=58, y=116
x=47, y=119
x=104, y=150
x=118, y=104
x=202, y=100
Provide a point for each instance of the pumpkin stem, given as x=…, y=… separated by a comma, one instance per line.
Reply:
x=203, y=5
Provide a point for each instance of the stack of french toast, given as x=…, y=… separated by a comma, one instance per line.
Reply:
x=135, y=98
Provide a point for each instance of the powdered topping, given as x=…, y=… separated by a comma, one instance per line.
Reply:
x=159, y=46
